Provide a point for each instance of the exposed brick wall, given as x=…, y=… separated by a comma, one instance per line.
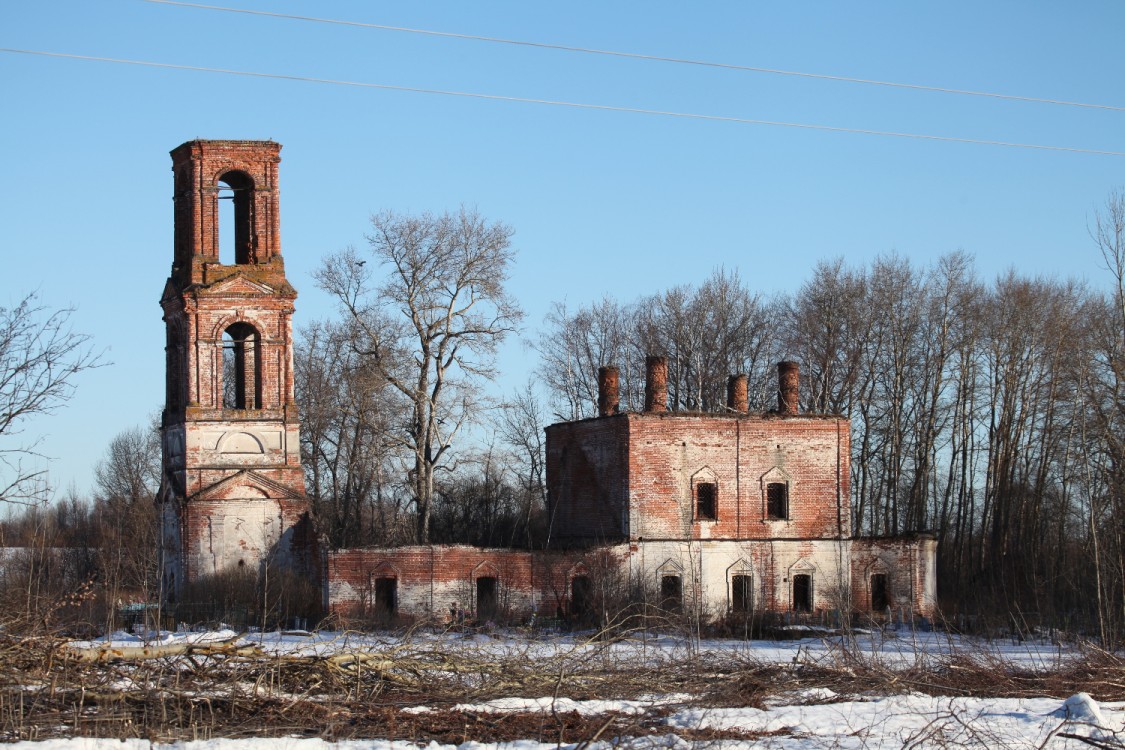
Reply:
x=649, y=464
x=198, y=166
x=233, y=486
x=587, y=479
x=429, y=580
x=910, y=564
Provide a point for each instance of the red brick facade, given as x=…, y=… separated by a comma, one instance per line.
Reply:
x=232, y=489
x=637, y=476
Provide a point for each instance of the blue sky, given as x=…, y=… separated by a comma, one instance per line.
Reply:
x=602, y=202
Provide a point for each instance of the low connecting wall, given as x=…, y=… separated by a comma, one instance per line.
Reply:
x=710, y=577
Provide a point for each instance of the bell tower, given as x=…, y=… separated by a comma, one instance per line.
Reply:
x=232, y=492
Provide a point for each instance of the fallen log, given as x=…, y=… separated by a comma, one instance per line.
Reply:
x=107, y=653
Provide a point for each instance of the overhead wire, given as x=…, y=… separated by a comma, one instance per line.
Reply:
x=641, y=56
x=560, y=103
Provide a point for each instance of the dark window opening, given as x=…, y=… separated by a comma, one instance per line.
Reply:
x=386, y=595
x=880, y=596
x=777, y=501
x=706, y=495
x=581, y=596
x=671, y=593
x=174, y=366
x=487, y=602
x=802, y=593
x=741, y=595
x=236, y=224
x=241, y=375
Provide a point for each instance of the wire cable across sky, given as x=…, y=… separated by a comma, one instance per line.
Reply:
x=639, y=56
x=559, y=103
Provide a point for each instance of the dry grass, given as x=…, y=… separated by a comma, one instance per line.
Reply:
x=46, y=690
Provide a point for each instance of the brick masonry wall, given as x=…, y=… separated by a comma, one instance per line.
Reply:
x=431, y=579
x=587, y=479
x=910, y=564
x=646, y=466
x=233, y=488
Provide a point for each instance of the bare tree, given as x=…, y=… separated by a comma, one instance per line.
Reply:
x=708, y=332
x=431, y=327
x=347, y=415
x=574, y=345
x=127, y=479
x=40, y=357
x=828, y=330
x=519, y=423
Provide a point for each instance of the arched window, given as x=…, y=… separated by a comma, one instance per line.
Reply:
x=242, y=385
x=237, y=239
x=705, y=495
x=777, y=495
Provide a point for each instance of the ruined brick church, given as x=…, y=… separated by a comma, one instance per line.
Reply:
x=716, y=514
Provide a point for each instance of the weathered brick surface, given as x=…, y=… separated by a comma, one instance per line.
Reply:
x=233, y=487
x=431, y=579
x=633, y=476
x=909, y=563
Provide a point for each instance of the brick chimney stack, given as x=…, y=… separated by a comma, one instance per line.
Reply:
x=737, y=398
x=788, y=387
x=656, y=384
x=609, y=397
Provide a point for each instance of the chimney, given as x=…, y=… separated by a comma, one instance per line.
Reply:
x=788, y=379
x=609, y=397
x=737, y=398
x=656, y=383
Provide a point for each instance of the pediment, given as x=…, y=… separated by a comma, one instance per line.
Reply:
x=253, y=481
x=776, y=474
x=242, y=286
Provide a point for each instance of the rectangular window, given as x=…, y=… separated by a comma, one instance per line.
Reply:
x=581, y=596
x=741, y=599
x=487, y=600
x=777, y=501
x=880, y=598
x=802, y=593
x=671, y=593
x=706, y=496
x=386, y=596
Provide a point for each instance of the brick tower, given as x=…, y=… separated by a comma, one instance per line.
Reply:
x=232, y=491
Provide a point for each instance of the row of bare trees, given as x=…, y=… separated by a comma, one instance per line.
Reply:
x=83, y=559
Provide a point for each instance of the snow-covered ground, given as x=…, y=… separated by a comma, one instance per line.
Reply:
x=895, y=650
x=808, y=718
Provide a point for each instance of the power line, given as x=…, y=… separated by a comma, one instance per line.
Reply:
x=652, y=58
x=573, y=105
